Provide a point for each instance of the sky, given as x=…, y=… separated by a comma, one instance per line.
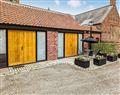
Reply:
x=69, y=6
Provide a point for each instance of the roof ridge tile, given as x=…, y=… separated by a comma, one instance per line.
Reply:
x=37, y=8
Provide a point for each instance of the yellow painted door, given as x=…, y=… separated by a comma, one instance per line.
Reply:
x=21, y=47
x=15, y=47
x=70, y=44
x=67, y=44
x=74, y=44
x=29, y=46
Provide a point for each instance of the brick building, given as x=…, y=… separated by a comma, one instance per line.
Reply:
x=106, y=19
x=29, y=34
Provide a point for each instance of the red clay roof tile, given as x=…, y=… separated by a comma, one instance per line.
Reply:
x=32, y=16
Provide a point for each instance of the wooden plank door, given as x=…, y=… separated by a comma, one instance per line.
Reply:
x=74, y=44
x=60, y=45
x=15, y=47
x=41, y=46
x=21, y=47
x=29, y=46
x=67, y=44
x=70, y=44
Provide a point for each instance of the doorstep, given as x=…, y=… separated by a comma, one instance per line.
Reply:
x=41, y=65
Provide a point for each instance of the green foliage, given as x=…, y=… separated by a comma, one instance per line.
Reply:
x=98, y=57
x=83, y=58
x=104, y=47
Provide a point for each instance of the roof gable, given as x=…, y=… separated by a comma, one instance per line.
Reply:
x=96, y=15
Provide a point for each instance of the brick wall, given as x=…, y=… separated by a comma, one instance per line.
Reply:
x=111, y=28
x=107, y=26
x=52, y=45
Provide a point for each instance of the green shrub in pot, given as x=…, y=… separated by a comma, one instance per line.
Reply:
x=82, y=61
x=99, y=60
x=104, y=48
x=112, y=57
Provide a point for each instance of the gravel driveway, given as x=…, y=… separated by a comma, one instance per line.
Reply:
x=64, y=79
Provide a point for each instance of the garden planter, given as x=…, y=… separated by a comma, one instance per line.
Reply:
x=99, y=62
x=84, y=64
x=119, y=55
x=112, y=58
x=103, y=54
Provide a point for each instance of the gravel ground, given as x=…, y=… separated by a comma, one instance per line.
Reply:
x=64, y=79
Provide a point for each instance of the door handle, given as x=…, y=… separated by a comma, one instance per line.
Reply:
x=22, y=48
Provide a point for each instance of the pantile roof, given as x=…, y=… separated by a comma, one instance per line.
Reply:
x=18, y=14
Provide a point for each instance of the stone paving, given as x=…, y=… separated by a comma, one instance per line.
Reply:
x=40, y=65
x=62, y=79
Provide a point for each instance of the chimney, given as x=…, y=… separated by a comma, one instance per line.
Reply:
x=113, y=2
x=18, y=1
x=13, y=1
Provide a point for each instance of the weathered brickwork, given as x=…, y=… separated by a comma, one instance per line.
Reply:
x=111, y=28
x=52, y=45
x=110, y=22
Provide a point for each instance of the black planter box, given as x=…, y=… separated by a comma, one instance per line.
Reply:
x=103, y=54
x=84, y=64
x=119, y=55
x=112, y=58
x=99, y=62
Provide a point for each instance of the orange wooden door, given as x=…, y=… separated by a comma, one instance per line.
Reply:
x=70, y=44
x=15, y=47
x=29, y=46
x=21, y=47
x=74, y=44
x=67, y=44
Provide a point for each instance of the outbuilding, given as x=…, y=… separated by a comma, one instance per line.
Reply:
x=30, y=34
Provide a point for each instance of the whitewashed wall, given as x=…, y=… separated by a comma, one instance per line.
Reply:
x=2, y=41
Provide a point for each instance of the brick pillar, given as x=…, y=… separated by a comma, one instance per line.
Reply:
x=52, y=45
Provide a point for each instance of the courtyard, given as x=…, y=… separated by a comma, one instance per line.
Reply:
x=64, y=79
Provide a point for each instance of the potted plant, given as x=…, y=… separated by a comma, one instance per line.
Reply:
x=119, y=55
x=82, y=61
x=112, y=57
x=99, y=60
x=104, y=48
x=102, y=54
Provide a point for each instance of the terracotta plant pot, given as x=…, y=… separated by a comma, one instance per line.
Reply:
x=84, y=64
x=99, y=62
x=112, y=58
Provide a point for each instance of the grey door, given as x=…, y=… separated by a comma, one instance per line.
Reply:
x=3, y=48
x=60, y=45
x=41, y=46
x=80, y=44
